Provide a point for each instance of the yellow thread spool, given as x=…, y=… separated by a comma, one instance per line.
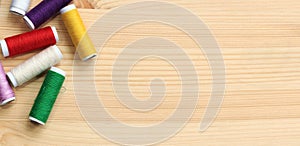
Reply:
x=78, y=33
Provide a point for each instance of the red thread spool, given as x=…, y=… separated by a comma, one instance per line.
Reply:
x=29, y=41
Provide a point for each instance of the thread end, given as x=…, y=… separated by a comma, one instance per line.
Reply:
x=29, y=22
x=17, y=11
x=67, y=8
x=4, y=48
x=59, y=71
x=36, y=120
x=12, y=79
x=7, y=101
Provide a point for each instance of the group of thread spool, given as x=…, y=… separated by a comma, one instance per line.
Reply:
x=27, y=42
x=51, y=86
x=41, y=38
x=28, y=70
x=70, y=16
x=21, y=44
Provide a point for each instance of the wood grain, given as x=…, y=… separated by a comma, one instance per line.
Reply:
x=260, y=43
x=91, y=4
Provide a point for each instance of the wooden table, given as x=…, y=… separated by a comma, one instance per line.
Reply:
x=259, y=40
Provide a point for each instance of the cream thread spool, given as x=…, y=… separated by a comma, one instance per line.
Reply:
x=35, y=66
x=78, y=33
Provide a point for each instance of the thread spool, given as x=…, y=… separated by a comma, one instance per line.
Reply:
x=47, y=96
x=29, y=41
x=19, y=7
x=78, y=33
x=43, y=12
x=34, y=66
x=6, y=92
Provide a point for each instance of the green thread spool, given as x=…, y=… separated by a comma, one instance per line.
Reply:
x=47, y=95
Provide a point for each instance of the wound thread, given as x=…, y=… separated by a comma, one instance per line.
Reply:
x=6, y=92
x=78, y=33
x=43, y=12
x=29, y=41
x=35, y=66
x=19, y=7
x=47, y=96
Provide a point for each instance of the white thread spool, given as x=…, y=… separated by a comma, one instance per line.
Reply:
x=35, y=66
x=19, y=7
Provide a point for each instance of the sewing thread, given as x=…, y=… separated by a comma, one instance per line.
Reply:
x=78, y=33
x=6, y=92
x=19, y=7
x=47, y=95
x=43, y=12
x=29, y=41
x=34, y=66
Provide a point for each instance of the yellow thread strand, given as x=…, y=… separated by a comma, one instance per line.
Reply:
x=78, y=34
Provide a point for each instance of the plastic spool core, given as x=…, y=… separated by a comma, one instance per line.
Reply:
x=57, y=50
x=67, y=8
x=17, y=11
x=89, y=57
x=8, y=100
x=55, y=33
x=36, y=120
x=4, y=48
x=12, y=79
x=29, y=22
x=59, y=71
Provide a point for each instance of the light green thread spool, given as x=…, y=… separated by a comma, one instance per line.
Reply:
x=47, y=95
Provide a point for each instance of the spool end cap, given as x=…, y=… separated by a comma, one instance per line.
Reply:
x=59, y=71
x=17, y=11
x=89, y=57
x=36, y=120
x=8, y=100
x=29, y=22
x=67, y=8
x=55, y=33
x=58, y=51
x=4, y=48
x=12, y=79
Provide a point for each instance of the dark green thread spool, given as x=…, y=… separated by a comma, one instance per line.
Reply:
x=47, y=95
